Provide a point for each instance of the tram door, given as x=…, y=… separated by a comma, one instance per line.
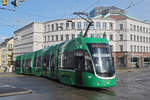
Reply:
x=53, y=66
x=79, y=69
x=30, y=64
x=44, y=68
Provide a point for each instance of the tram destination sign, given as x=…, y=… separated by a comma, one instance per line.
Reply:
x=99, y=45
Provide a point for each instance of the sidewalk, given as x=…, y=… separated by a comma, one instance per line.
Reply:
x=10, y=74
x=132, y=69
x=6, y=90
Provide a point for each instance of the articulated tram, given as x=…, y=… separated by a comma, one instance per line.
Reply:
x=83, y=61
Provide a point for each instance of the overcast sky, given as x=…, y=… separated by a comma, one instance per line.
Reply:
x=46, y=10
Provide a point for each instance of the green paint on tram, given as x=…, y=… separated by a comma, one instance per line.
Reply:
x=83, y=61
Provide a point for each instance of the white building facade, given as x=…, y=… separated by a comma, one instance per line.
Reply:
x=129, y=38
x=28, y=38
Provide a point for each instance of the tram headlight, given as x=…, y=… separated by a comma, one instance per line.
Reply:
x=108, y=82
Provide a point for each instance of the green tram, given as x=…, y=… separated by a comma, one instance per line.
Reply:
x=83, y=61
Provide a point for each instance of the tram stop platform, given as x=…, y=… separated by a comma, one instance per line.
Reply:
x=6, y=90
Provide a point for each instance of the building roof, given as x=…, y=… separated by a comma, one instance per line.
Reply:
x=22, y=28
x=109, y=8
x=5, y=42
x=120, y=16
x=105, y=10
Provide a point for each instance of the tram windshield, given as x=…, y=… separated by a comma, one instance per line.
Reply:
x=102, y=58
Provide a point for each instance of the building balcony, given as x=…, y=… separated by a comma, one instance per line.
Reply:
x=10, y=49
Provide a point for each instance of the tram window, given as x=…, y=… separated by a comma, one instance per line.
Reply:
x=24, y=63
x=77, y=59
x=68, y=61
x=59, y=60
x=80, y=62
x=29, y=63
x=46, y=61
x=38, y=61
x=50, y=60
x=53, y=61
x=17, y=64
x=88, y=62
x=34, y=64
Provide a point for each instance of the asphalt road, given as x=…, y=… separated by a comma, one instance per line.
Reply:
x=130, y=86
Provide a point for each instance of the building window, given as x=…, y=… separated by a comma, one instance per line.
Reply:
x=79, y=25
x=144, y=49
x=121, y=36
x=48, y=26
x=135, y=48
x=61, y=26
x=111, y=26
x=121, y=26
x=67, y=25
x=143, y=39
x=149, y=39
x=104, y=25
x=131, y=37
x=144, y=29
x=52, y=38
x=121, y=47
x=67, y=36
x=56, y=26
x=73, y=36
x=61, y=37
x=134, y=27
x=141, y=49
x=134, y=37
x=92, y=26
x=91, y=35
x=138, y=28
x=140, y=38
x=130, y=26
x=111, y=37
x=97, y=25
x=131, y=48
x=85, y=25
x=73, y=25
x=52, y=27
x=111, y=47
x=56, y=37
